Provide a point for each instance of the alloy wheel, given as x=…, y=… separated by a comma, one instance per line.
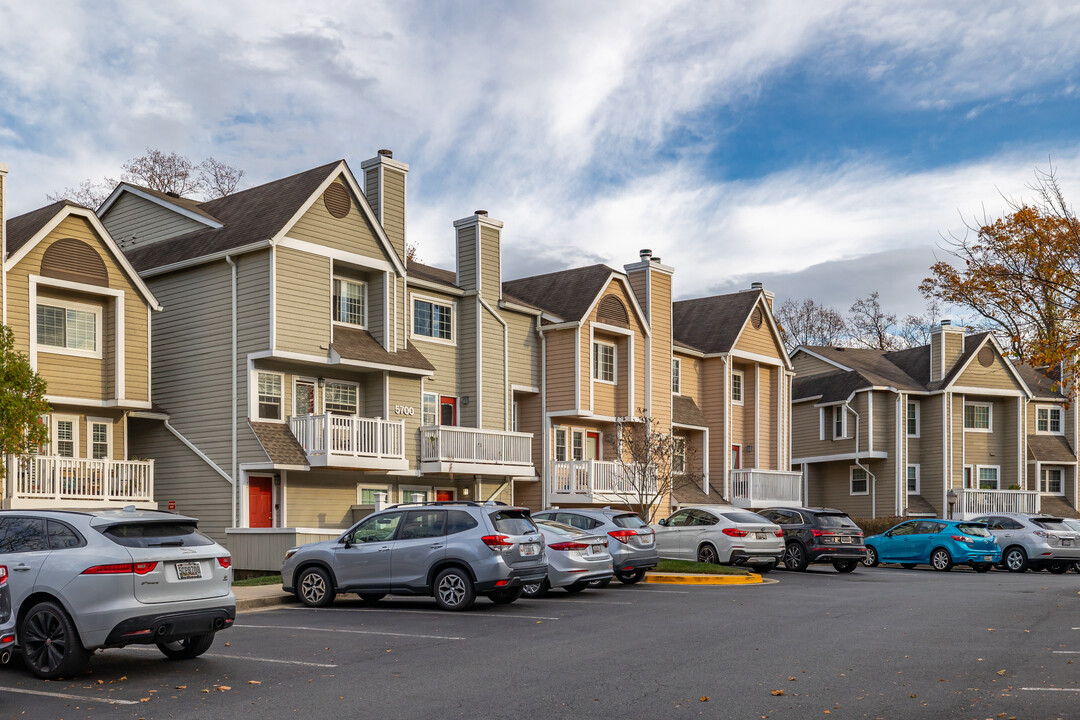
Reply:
x=707, y=554
x=452, y=589
x=941, y=560
x=313, y=588
x=1015, y=560
x=44, y=640
x=794, y=557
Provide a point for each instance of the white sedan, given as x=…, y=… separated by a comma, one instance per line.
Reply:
x=720, y=534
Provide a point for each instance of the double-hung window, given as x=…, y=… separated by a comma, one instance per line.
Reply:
x=1048, y=420
x=71, y=328
x=349, y=303
x=678, y=455
x=99, y=439
x=430, y=410
x=860, y=483
x=578, y=437
x=913, y=479
x=603, y=361
x=839, y=422
x=341, y=398
x=65, y=436
x=913, y=413
x=1051, y=481
x=988, y=477
x=676, y=376
x=979, y=416
x=270, y=405
x=560, y=444
x=432, y=320
x=737, y=378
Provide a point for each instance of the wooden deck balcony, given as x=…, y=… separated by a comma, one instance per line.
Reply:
x=49, y=481
x=448, y=449
x=351, y=442
x=971, y=503
x=597, y=481
x=762, y=488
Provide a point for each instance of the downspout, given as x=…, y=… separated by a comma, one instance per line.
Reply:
x=235, y=394
x=545, y=463
x=870, y=475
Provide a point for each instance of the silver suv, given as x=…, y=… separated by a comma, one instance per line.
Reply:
x=1033, y=541
x=80, y=581
x=452, y=550
x=7, y=618
x=630, y=539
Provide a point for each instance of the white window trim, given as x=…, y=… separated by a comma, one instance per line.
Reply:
x=843, y=422
x=989, y=417
x=423, y=398
x=918, y=419
x=359, y=397
x=376, y=487
x=918, y=479
x=742, y=387
x=405, y=490
x=614, y=362
x=1042, y=470
x=364, y=295
x=1049, y=409
x=108, y=423
x=566, y=444
x=680, y=440
x=676, y=376
x=76, y=432
x=98, y=313
x=976, y=480
x=253, y=396
x=297, y=379
x=574, y=434
x=452, y=304
x=851, y=481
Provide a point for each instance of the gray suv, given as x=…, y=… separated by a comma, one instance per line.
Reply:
x=630, y=539
x=7, y=618
x=81, y=581
x=1033, y=541
x=452, y=550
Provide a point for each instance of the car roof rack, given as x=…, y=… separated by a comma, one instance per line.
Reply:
x=431, y=503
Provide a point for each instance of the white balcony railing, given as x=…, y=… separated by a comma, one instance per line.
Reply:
x=972, y=503
x=345, y=435
x=600, y=480
x=64, y=479
x=446, y=444
x=761, y=488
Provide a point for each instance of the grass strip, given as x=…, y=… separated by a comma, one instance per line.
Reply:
x=274, y=579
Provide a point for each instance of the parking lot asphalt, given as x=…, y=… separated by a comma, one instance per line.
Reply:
x=879, y=643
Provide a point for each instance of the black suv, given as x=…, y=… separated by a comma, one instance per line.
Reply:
x=818, y=535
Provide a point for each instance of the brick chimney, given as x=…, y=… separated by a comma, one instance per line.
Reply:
x=384, y=186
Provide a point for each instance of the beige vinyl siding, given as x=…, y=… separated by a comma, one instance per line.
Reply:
x=405, y=391
x=761, y=340
x=351, y=233
x=767, y=408
x=980, y=448
x=997, y=376
x=117, y=419
x=181, y=476
x=393, y=209
x=927, y=451
x=65, y=374
x=660, y=324
x=884, y=421
x=935, y=357
x=637, y=285
x=530, y=420
x=690, y=384
x=443, y=356
x=376, y=301
x=468, y=362
x=371, y=188
x=714, y=405
x=829, y=485
x=490, y=265
x=621, y=398
x=524, y=348
x=954, y=348
x=370, y=396
x=466, y=249
x=322, y=499
x=560, y=369
x=743, y=418
x=806, y=432
x=303, y=303
x=492, y=374
x=494, y=491
x=805, y=364
x=134, y=222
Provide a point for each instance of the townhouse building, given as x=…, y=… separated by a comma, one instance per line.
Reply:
x=948, y=429
x=82, y=315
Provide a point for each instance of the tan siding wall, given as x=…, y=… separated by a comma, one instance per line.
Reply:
x=884, y=421
x=252, y=335
x=490, y=264
x=660, y=323
x=524, y=349
x=351, y=233
x=714, y=406
x=997, y=376
x=468, y=362
x=466, y=248
x=806, y=365
x=405, y=390
x=935, y=357
x=829, y=484
x=637, y=284
x=927, y=451
x=560, y=369
x=760, y=340
x=493, y=374
x=690, y=377
x=978, y=448
x=806, y=431
x=444, y=357
x=954, y=348
x=147, y=222
x=321, y=499
x=303, y=301
x=393, y=216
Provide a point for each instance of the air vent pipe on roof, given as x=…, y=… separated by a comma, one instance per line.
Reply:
x=646, y=253
x=756, y=286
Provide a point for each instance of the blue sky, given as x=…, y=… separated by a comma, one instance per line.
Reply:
x=822, y=148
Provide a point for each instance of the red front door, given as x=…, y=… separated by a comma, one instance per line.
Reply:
x=736, y=460
x=447, y=410
x=444, y=495
x=260, y=502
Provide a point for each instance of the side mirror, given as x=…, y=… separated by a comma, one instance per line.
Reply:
x=888, y=533
x=345, y=540
x=662, y=521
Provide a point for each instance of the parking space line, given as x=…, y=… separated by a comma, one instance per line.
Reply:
x=669, y=592
x=1053, y=689
x=248, y=657
x=65, y=696
x=351, y=632
x=440, y=613
x=587, y=602
x=1067, y=652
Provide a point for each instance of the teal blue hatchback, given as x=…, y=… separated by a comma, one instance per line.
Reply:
x=938, y=543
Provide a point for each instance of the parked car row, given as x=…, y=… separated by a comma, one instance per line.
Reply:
x=74, y=582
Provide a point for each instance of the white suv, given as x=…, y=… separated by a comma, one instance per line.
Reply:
x=80, y=581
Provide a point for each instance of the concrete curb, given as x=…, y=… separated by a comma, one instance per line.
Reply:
x=702, y=579
x=266, y=601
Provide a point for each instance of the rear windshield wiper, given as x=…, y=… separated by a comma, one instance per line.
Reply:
x=167, y=543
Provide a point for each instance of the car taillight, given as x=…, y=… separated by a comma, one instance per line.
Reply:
x=139, y=568
x=1040, y=533
x=225, y=562
x=3, y=574
x=568, y=546
x=778, y=533
x=961, y=538
x=735, y=532
x=623, y=536
x=497, y=542
x=818, y=533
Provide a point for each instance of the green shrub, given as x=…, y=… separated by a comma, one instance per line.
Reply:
x=876, y=526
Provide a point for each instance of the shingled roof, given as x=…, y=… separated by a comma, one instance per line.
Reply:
x=23, y=227
x=430, y=273
x=567, y=294
x=686, y=412
x=712, y=324
x=279, y=443
x=1050, y=448
x=189, y=204
x=248, y=216
x=360, y=345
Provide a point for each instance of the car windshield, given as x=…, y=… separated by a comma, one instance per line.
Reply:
x=559, y=528
x=836, y=520
x=1048, y=523
x=744, y=517
x=156, y=534
x=513, y=522
x=629, y=521
x=976, y=530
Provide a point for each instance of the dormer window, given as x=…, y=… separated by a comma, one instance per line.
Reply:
x=349, y=302
x=69, y=328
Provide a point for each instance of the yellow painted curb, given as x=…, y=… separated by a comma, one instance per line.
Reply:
x=702, y=579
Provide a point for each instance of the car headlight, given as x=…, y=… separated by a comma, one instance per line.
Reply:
x=290, y=552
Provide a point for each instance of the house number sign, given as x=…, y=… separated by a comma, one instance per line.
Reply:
x=404, y=410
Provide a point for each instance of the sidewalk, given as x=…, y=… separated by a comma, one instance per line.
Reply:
x=261, y=596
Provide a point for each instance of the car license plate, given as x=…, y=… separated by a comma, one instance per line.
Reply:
x=188, y=570
x=595, y=549
x=845, y=539
x=988, y=558
x=761, y=536
x=528, y=549
x=645, y=539
x=1066, y=542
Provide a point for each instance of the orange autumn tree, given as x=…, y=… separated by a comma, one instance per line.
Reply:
x=1020, y=274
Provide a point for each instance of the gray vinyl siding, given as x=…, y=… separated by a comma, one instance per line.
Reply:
x=466, y=248
x=371, y=189
x=393, y=209
x=302, y=297
x=405, y=391
x=493, y=375
x=490, y=266
x=148, y=222
x=372, y=396
x=467, y=360
x=375, y=303
x=524, y=349
x=183, y=477
x=253, y=335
